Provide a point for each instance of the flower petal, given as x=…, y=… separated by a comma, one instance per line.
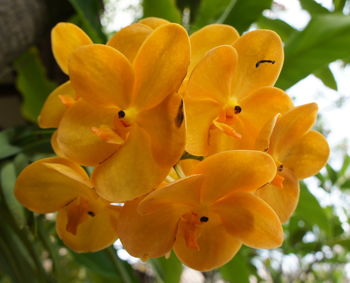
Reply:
x=308, y=156
x=282, y=200
x=164, y=124
x=209, y=37
x=232, y=171
x=49, y=184
x=147, y=236
x=131, y=172
x=66, y=38
x=252, y=48
x=129, y=39
x=262, y=141
x=216, y=246
x=211, y=79
x=96, y=232
x=160, y=65
x=199, y=115
x=101, y=75
x=250, y=219
x=75, y=138
x=290, y=128
x=53, y=109
x=185, y=192
x=153, y=22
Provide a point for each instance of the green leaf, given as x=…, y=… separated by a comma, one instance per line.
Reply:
x=327, y=77
x=6, y=149
x=325, y=39
x=313, y=7
x=283, y=29
x=236, y=270
x=165, y=9
x=246, y=12
x=332, y=174
x=168, y=269
x=32, y=83
x=345, y=166
x=8, y=181
x=89, y=13
x=339, y=5
x=310, y=210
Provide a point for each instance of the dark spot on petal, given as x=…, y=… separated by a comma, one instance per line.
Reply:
x=91, y=213
x=264, y=61
x=238, y=109
x=121, y=114
x=204, y=219
x=180, y=115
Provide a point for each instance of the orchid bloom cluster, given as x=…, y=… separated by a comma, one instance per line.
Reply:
x=191, y=147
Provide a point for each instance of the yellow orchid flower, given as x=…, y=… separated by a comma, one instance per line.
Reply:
x=299, y=152
x=65, y=39
x=128, y=122
x=206, y=216
x=229, y=96
x=85, y=222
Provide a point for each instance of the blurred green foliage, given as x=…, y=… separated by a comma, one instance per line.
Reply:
x=317, y=236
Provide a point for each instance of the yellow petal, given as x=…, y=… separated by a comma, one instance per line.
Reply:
x=209, y=37
x=147, y=236
x=66, y=38
x=53, y=109
x=211, y=79
x=251, y=220
x=252, y=48
x=96, y=232
x=131, y=172
x=262, y=141
x=182, y=192
x=216, y=246
x=282, y=200
x=76, y=139
x=233, y=171
x=199, y=115
x=153, y=22
x=101, y=75
x=160, y=65
x=49, y=184
x=129, y=39
x=308, y=156
x=164, y=124
x=290, y=128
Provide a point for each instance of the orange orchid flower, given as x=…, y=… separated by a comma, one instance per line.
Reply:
x=85, y=222
x=299, y=152
x=206, y=216
x=128, y=120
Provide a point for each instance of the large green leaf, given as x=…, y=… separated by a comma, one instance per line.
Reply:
x=7, y=149
x=283, y=29
x=32, y=82
x=326, y=76
x=168, y=269
x=246, y=12
x=236, y=270
x=165, y=9
x=89, y=13
x=313, y=7
x=325, y=39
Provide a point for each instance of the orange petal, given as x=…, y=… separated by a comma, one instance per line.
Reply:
x=251, y=220
x=49, y=184
x=216, y=246
x=66, y=38
x=153, y=22
x=209, y=37
x=131, y=172
x=227, y=129
x=262, y=142
x=308, y=155
x=164, y=124
x=101, y=75
x=252, y=48
x=199, y=115
x=182, y=192
x=290, y=128
x=147, y=236
x=53, y=109
x=129, y=39
x=160, y=65
x=107, y=134
x=282, y=200
x=96, y=232
x=77, y=141
x=211, y=78
x=232, y=171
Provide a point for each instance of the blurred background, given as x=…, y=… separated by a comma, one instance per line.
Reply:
x=316, y=37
